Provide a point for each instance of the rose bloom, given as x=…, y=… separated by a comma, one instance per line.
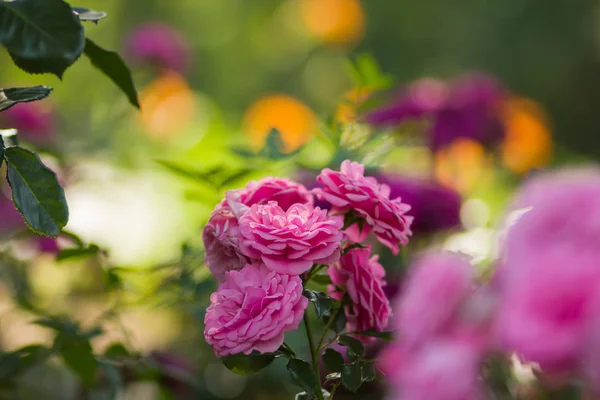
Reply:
x=290, y=241
x=349, y=190
x=443, y=370
x=436, y=288
x=252, y=310
x=550, y=276
x=284, y=191
x=159, y=44
x=469, y=107
x=221, y=243
x=361, y=275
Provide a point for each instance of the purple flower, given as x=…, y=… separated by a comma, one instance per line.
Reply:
x=467, y=108
x=10, y=219
x=159, y=44
x=35, y=122
x=433, y=207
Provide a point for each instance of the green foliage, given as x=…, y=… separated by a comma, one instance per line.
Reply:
x=242, y=364
x=42, y=36
x=352, y=376
x=333, y=360
x=354, y=347
x=12, y=96
x=86, y=251
x=36, y=192
x=78, y=355
x=302, y=375
x=385, y=335
x=112, y=65
x=340, y=322
x=320, y=300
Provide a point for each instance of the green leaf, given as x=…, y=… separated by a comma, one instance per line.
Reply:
x=116, y=350
x=41, y=35
x=354, y=348
x=85, y=14
x=112, y=65
x=385, y=335
x=340, y=322
x=321, y=301
x=321, y=279
x=368, y=372
x=333, y=360
x=303, y=375
x=36, y=192
x=352, y=376
x=249, y=364
x=76, y=252
x=78, y=356
x=12, y=96
x=273, y=148
x=353, y=246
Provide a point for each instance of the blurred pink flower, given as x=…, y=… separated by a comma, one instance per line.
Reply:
x=290, y=241
x=550, y=277
x=159, y=44
x=361, y=275
x=349, y=190
x=221, y=241
x=252, y=310
x=284, y=191
x=469, y=107
x=35, y=122
x=443, y=370
x=436, y=288
x=10, y=219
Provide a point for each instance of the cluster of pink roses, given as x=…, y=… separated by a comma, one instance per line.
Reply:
x=261, y=241
x=542, y=304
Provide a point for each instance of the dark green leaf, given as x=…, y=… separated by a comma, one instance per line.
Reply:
x=352, y=376
x=116, y=350
x=321, y=279
x=303, y=375
x=36, y=192
x=85, y=14
x=112, y=65
x=354, y=347
x=351, y=247
x=41, y=35
x=368, y=372
x=340, y=322
x=115, y=380
x=10, y=97
x=333, y=360
x=88, y=251
x=9, y=365
x=249, y=364
x=58, y=324
x=321, y=301
x=385, y=335
x=78, y=356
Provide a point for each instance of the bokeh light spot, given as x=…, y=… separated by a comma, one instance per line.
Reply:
x=334, y=21
x=461, y=164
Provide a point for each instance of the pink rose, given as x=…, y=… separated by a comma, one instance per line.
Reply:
x=252, y=310
x=362, y=277
x=284, y=191
x=443, y=370
x=551, y=271
x=435, y=290
x=290, y=241
x=350, y=190
x=221, y=241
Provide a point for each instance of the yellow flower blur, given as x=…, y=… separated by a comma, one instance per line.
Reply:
x=334, y=21
x=528, y=142
x=353, y=99
x=292, y=118
x=168, y=106
x=461, y=164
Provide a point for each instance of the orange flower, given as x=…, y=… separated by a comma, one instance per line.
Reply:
x=334, y=21
x=461, y=164
x=292, y=118
x=168, y=106
x=352, y=100
x=528, y=141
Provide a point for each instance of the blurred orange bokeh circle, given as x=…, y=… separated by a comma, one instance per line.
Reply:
x=334, y=21
x=352, y=100
x=461, y=164
x=528, y=142
x=292, y=118
x=168, y=106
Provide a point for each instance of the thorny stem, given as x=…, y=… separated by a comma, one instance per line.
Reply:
x=314, y=356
